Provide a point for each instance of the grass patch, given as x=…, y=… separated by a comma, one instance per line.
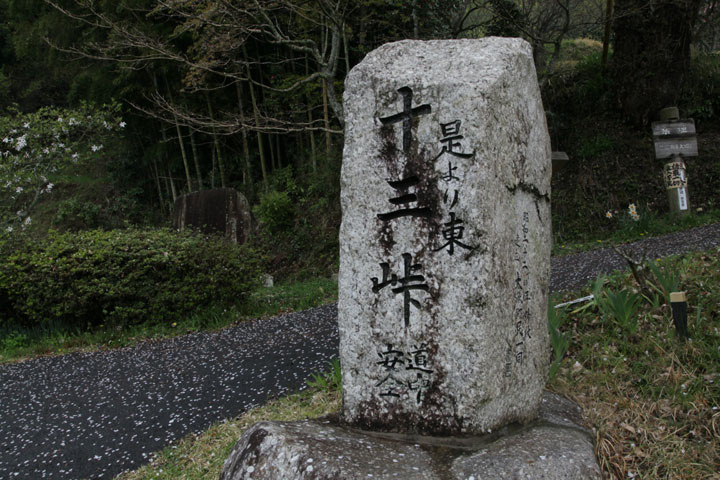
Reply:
x=290, y=297
x=622, y=229
x=18, y=343
x=652, y=399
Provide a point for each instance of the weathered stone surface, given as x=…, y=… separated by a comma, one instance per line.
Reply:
x=222, y=210
x=552, y=447
x=444, y=274
x=539, y=452
x=321, y=450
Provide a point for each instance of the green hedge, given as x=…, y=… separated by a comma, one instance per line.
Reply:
x=122, y=276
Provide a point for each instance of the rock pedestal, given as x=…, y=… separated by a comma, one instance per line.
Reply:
x=222, y=210
x=553, y=447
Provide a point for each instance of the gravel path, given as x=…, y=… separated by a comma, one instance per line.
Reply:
x=574, y=271
x=94, y=415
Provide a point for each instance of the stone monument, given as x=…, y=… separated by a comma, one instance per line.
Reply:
x=222, y=210
x=444, y=272
x=445, y=239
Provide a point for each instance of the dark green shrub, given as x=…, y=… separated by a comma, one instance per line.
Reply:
x=275, y=211
x=580, y=91
x=573, y=94
x=701, y=95
x=594, y=146
x=76, y=214
x=124, y=276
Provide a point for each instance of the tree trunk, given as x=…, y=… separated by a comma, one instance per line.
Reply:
x=216, y=141
x=278, y=151
x=246, y=149
x=347, y=52
x=170, y=193
x=196, y=160
x=540, y=58
x=414, y=14
x=163, y=136
x=212, y=171
x=156, y=174
x=326, y=118
x=328, y=69
x=299, y=140
x=180, y=139
x=256, y=113
x=313, y=152
x=273, y=157
x=608, y=26
x=184, y=156
x=651, y=54
x=172, y=185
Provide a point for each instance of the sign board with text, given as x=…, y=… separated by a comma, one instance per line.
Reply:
x=675, y=138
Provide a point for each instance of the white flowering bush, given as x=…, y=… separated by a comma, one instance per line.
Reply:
x=34, y=146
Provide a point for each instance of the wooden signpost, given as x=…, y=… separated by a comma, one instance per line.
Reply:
x=675, y=140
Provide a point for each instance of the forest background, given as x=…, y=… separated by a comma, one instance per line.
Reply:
x=110, y=110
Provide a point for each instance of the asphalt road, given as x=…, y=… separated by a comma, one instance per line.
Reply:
x=94, y=415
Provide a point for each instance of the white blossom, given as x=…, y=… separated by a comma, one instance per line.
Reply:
x=26, y=125
x=9, y=229
x=122, y=124
x=72, y=121
x=20, y=143
x=48, y=188
x=19, y=190
x=96, y=148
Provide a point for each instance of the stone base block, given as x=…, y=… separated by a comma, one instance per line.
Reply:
x=555, y=446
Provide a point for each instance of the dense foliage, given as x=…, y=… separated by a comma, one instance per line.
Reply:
x=225, y=93
x=122, y=276
x=34, y=146
x=239, y=94
x=612, y=163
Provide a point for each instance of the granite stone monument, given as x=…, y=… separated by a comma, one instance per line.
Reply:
x=444, y=273
x=445, y=238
